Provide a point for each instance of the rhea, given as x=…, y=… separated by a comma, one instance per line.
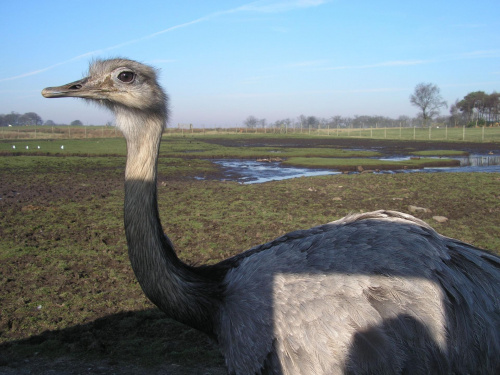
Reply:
x=372, y=293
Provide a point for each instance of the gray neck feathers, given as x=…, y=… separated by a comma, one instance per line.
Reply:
x=174, y=287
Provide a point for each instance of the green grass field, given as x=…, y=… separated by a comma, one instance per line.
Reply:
x=67, y=290
x=484, y=134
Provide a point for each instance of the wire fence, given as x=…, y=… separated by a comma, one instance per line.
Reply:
x=59, y=132
x=479, y=134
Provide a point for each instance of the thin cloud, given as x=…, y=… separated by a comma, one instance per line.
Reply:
x=256, y=79
x=381, y=64
x=479, y=54
x=280, y=6
x=161, y=61
x=469, y=25
x=463, y=56
x=257, y=6
x=274, y=94
x=399, y=63
x=34, y=72
x=472, y=84
x=305, y=64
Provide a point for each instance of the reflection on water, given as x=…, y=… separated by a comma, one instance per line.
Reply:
x=255, y=172
x=479, y=160
x=471, y=163
x=469, y=169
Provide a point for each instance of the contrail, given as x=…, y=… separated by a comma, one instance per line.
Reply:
x=95, y=52
x=50, y=67
x=257, y=6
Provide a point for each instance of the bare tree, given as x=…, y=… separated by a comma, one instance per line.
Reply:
x=427, y=97
x=251, y=122
x=302, y=121
x=312, y=122
x=403, y=121
x=455, y=114
x=286, y=122
x=336, y=121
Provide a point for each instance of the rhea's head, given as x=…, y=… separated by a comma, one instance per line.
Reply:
x=119, y=84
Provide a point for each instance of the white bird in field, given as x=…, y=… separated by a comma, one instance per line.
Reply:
x=27, y=147
x=62, y=147
x=14, y=147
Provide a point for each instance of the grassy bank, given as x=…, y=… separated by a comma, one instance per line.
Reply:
x=171, y=146
x=351, y=164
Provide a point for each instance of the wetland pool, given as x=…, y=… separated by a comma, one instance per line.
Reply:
x=255, y=172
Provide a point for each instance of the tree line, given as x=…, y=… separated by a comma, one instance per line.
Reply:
x=475, y=109
x=29, y=118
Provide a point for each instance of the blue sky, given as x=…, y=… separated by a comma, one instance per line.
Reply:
x=222, y=61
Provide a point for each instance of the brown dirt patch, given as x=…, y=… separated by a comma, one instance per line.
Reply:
x=386, y=147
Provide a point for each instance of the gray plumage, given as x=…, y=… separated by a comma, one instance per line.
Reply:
x=374, y=293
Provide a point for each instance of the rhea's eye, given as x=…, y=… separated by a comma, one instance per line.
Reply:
x=126, y=77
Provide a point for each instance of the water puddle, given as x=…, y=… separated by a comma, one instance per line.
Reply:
x=465, y=161
x=256, y=172
x=479, y=160
x=468, y=169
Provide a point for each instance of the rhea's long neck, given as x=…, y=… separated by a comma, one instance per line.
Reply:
x=174, y=287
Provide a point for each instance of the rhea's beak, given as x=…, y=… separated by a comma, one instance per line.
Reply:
x=78, y=89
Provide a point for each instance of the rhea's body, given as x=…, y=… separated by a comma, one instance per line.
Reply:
x=375, y=293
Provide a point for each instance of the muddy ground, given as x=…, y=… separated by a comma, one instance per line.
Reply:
x=386, y=147
x=20, y=193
